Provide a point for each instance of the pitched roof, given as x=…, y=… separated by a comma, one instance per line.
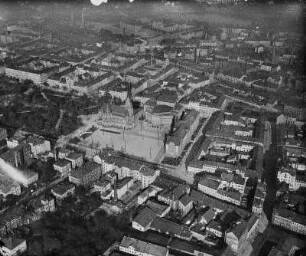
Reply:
x=144, y=247
x=61, y=189
x=147, y=171
x=162, y=109
x=210, y=183
x=209, y=215
x=167, y=226
x=145, y=217
x=158, y=208
x=185, y=200
x=214, y=225
x=239, y=229
x=62, y=162
x=74, y=155
x=11, y=242
x=84, y=169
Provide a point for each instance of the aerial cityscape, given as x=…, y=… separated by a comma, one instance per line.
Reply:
x=152, y=128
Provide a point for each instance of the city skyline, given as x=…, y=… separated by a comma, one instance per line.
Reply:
x=157, y=128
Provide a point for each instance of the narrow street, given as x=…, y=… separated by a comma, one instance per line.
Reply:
x=40, y=191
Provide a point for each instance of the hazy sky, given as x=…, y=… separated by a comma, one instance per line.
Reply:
x=285, y=16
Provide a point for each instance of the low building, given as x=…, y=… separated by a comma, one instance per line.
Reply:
x=63, y=152
x=61, y=191
x=12, y=246
x=160, y=209
x=172, y=196
x=214, y=228
x=18, y=138
x=102, y=186
x=76, y=159
x=38, y=145
x=10, y=220
x=242, y=235
x=146, y=194
x=168, y=227
x=43, y=205
x=144, y=219
x=134, y=246
x=86, y=174
x=185, y=204
x=63, y=167
x=259, y=198
x=208, y=216
x=8, y=186
x=30, y=177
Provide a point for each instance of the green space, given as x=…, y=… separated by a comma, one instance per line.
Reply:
x=77, y=228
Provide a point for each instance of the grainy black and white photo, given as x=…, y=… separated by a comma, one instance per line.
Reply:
x=152, y=128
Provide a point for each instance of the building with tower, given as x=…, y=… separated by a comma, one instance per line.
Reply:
x=112, y=115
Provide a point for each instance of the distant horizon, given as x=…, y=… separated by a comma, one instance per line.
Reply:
x=145, y=1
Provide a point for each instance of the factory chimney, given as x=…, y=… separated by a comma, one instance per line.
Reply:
x=16, y=160
x=115, y=189
x=55, y=155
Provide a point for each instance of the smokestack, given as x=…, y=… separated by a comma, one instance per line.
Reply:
x=115, y=189
x=16, y=160
x=55, y=155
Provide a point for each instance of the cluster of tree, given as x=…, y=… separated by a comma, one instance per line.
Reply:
x=80, y=234
x=8, y=201
x=70, y=122
x=45, y=170
x=10, y=85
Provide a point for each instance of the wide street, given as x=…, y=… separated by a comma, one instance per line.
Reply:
x=270, y=173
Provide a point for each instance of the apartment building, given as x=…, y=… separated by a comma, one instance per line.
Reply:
x=182, y=134
x=242, y=235
x=291, y=177
x=220, y=190
x=148, y=176
x=259, y=198
x=289, y=220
